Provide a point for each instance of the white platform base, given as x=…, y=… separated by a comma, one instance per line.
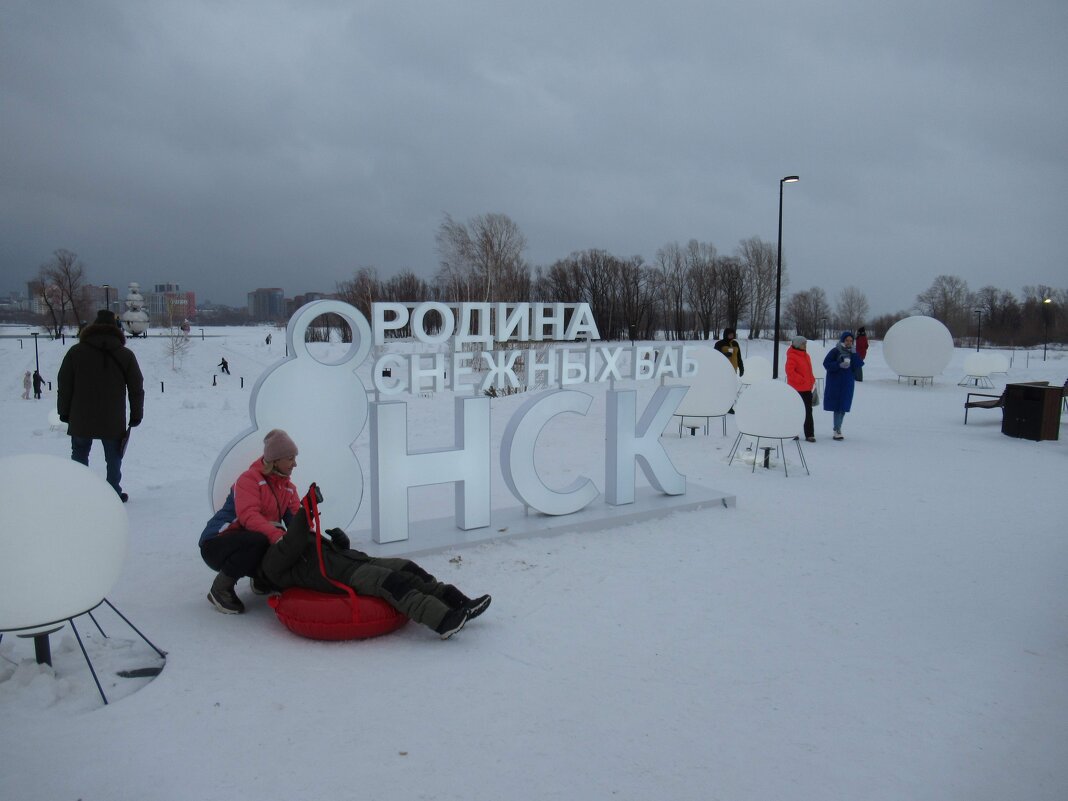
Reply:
x=431, y=536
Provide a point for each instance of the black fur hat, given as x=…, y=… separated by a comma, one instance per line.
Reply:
x=106, y=317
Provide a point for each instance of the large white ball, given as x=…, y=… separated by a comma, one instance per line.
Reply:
x=714, y=388
x=918, y=346
x=770, y=409
x=978, y=364
x=63, y=541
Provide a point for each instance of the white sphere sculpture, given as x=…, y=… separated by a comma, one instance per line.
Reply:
x=770, y=409
x=713, y=389
x=918, y=347
x=62, y=548
x=978, y=364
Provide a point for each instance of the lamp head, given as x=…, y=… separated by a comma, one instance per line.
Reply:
x=789, y=179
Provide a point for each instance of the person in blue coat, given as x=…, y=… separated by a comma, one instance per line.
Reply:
x=840, y=363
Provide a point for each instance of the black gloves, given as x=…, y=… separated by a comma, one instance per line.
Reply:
x=339, y=538
x=135, y=422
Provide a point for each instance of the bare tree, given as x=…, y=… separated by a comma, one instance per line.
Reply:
x=852, y=308
x=49, y=295
x=176, y=344
x=636, y=298
x=67, y=274
x=406, y=286
x=734, y=289
x=757, y=258
x=947, y=300
x=482, y=260
x=671, y=283
x=1042, y=321
x=361, y=290
x=1002, y=315
x=807, y=310
x=702, y=287
x=590, y=276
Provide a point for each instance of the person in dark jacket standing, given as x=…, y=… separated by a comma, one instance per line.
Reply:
x=729, y=347
x=96, y=377
x=38, y=382
x=840, y=363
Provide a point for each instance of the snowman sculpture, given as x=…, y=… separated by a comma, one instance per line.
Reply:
x=135, y=318
x=321, y=405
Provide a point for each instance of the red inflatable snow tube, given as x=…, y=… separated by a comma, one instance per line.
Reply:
x=323, y=616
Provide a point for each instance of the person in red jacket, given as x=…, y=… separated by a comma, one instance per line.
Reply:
x=862, y=343
x=799, y=376
x=257, y=511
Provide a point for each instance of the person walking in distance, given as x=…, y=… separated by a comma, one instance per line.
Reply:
x=96, y=378
x=38, y=382
x=27, y=384
x=224, y=366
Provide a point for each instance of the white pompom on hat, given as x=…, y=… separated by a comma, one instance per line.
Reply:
x=798, y=341
x=278, y=445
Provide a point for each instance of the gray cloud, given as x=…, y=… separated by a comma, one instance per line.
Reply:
x=229, y=146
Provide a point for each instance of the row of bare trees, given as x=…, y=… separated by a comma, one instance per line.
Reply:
x=998, y=315
x=688, y=292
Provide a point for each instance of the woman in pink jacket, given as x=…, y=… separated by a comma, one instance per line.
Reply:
x=255, y=515
x=799, y=376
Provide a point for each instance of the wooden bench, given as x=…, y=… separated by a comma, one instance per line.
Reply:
x=993, y=401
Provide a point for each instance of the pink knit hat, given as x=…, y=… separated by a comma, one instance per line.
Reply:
x=278, y=445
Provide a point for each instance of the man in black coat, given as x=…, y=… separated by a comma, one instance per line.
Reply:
x=95, y=379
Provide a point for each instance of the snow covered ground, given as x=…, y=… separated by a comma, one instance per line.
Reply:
x=894, y=626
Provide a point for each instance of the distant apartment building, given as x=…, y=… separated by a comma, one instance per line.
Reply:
x=267, y=304
x=101, y=297
x=167, y=302
x=300, y=300
x=36, y=292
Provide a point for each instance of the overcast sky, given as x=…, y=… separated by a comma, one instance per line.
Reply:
x=230, y=145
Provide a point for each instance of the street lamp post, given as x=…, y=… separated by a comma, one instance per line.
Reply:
x=107, y=297
x=789, y=179
x=36, y=358
x=1045, y=319
x=823, y=329
x=979, y=329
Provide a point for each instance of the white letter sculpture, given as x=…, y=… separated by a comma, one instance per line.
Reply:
x=627, y=443
x=517, y=455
